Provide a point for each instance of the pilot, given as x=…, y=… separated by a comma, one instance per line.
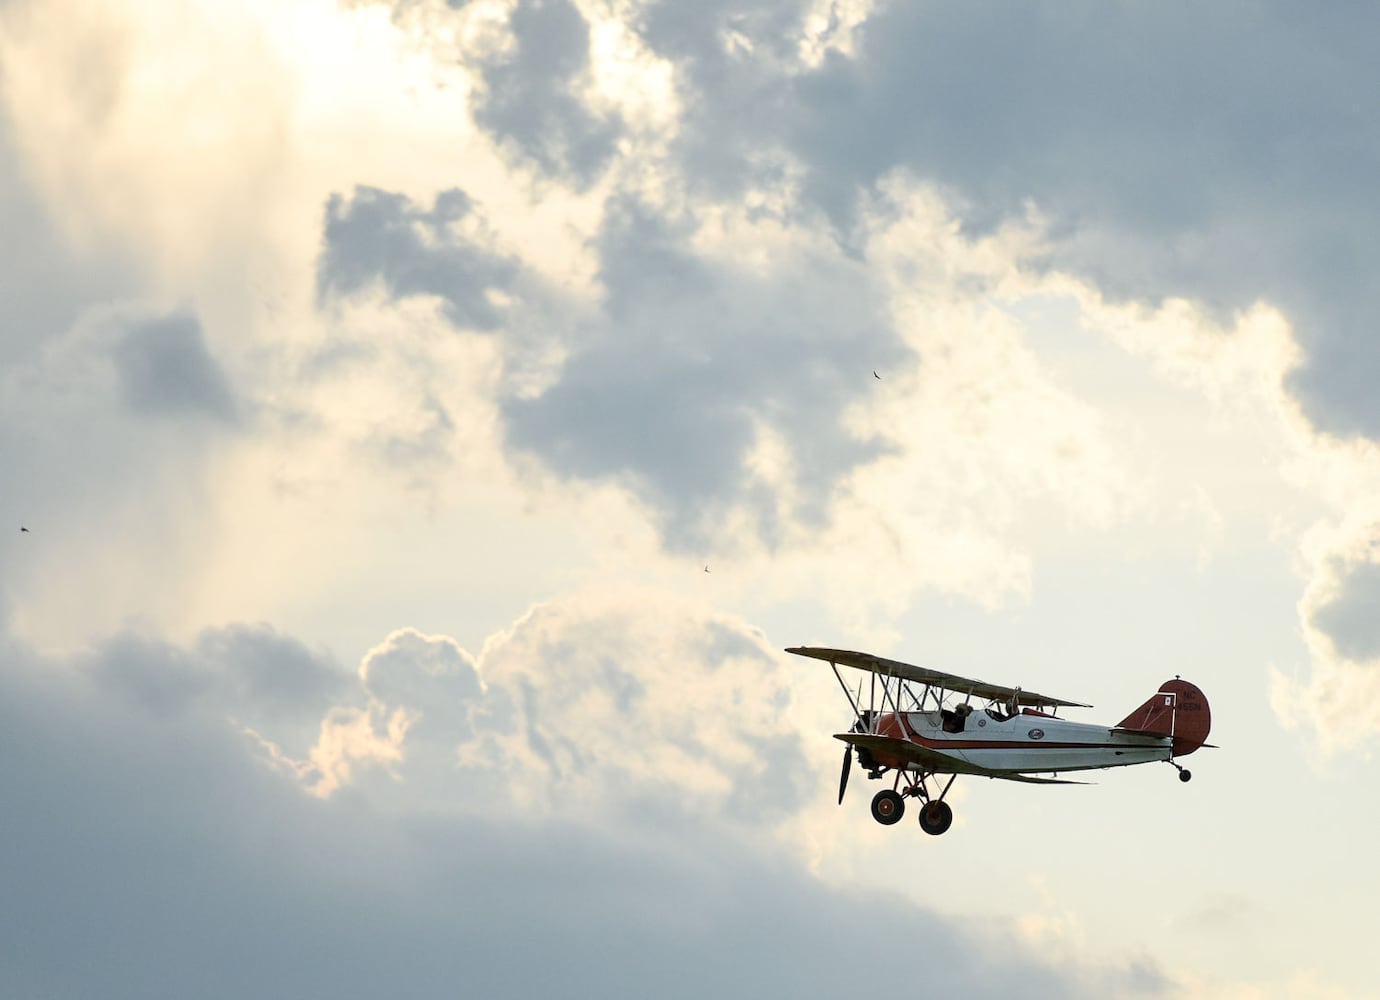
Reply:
x=954, y=721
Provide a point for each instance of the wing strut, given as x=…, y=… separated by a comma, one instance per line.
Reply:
x=846, y=693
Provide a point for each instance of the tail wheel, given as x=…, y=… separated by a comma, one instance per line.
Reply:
x=936, y=817
x=888, y=807
x=1185, y=774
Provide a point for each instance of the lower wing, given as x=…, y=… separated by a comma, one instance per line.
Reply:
x=937, y=761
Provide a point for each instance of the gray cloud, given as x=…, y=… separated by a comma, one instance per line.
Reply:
x=124, y=398
x=378, y=236
x=149, y=856
x=240, y=675
x=736, y=103
x=665, y=390
x=1352, y=619
x=273, y=674
x=1222, y=154
x=165, y=369
x=529, y=101
x=667, y=394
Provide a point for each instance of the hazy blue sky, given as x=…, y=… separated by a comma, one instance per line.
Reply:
x=377, y=381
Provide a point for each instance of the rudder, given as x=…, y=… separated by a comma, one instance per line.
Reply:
x=1178, y=710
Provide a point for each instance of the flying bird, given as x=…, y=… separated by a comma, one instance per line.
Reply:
x=22, y=528
x=706, y=568
x=874, y=374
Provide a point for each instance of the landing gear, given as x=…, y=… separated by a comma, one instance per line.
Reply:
x=1184, y=773
x=935, y=814
x=888, y=807
x=936, y=817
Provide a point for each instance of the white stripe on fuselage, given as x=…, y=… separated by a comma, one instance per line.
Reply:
x=1036, y=743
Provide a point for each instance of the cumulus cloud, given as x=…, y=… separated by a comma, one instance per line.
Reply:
x=593, y=698
x=243, y=884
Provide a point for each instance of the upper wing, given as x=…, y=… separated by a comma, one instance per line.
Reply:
x=924, y=675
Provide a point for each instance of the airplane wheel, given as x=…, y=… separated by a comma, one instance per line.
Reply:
x=1185, y=775
x=936, y=817
x=888, y=807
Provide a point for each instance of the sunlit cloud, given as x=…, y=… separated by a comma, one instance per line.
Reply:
x=547, y=366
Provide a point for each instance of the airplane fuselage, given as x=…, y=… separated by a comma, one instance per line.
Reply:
x=1026, y=743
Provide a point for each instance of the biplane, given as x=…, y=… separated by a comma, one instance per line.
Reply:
x=921, y=724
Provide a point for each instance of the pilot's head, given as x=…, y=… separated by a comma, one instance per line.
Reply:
x=964, y=709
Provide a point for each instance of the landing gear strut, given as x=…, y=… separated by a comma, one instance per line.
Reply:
x=935, y=814
x=1184, y=773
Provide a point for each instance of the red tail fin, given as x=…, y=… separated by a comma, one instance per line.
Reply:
x=1179, y=710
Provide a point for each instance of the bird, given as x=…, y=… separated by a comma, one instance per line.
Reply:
x=24, y=529
x=874, y=374
x=706, y=568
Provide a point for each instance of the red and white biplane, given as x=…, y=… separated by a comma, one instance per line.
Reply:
x=922, y=723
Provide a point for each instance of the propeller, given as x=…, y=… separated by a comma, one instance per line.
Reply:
x=859, y=726
x=847, y=766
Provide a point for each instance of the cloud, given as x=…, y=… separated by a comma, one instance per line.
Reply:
x=242, y=884
x=45, y=283
x=112, y=430
x=1218, y=164
x=165, y=369
x=379, y=236
x=1336, y=701
x=124, y=124
x=591, y=698
x=1348, y=619
x=694, y=360
x=723, y=379
x=1184, y=174
x=531, y=93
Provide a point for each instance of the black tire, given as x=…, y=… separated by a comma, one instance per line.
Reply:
x=1185, y=775
x=936, y=817
x=888, y=807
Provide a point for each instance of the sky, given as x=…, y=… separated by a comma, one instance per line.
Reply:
x=433, y=420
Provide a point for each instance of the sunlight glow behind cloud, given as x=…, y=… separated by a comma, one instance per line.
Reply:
x=461, y=340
